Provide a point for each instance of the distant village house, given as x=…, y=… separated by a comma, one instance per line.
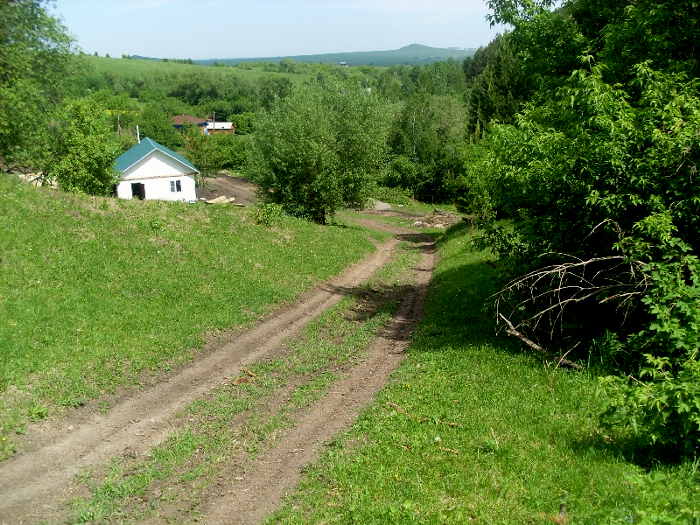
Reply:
x=220, y=128
x=151, y=171
x=208, y=127
x=181, y=121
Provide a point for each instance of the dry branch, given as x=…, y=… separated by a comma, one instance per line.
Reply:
x=511, y=330
x=548, y=292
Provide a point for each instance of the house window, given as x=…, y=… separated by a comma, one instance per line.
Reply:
x=175, y=186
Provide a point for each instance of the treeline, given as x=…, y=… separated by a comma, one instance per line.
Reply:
x=585, y=124
x=423, y=108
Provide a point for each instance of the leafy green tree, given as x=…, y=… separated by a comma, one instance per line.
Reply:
x=83, y=150
x=320, y=148
x=244, y=122
x=498, y=86
x=155, y=123
x=211, y=153
x=34, y=60
x=273, y=89
x=597, y=174
x=429, y=134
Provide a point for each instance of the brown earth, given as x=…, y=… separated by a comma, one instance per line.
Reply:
x=33, y=484
x=242, y=189
x=258, y=487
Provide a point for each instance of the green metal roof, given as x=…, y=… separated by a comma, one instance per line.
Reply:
x=141, y=150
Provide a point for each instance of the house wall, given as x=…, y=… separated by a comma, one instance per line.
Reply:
x=221, y=131
x=155, y=172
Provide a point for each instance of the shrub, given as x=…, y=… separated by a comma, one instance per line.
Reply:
x=662, y=407
x=601, y=185
x=392, y=195
x=267, y=214
x=83, y=150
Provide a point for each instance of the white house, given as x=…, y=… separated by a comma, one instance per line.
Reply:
x=151, y=171
x=224, y=128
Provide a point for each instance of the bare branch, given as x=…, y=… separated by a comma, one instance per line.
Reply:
x=511, y=330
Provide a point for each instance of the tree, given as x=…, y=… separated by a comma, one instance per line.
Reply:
x=83, y=150
x=155, y=123
x=598, y=176
x=320, y=148
x=429, y=134
x=211, y=153
x=34, y=59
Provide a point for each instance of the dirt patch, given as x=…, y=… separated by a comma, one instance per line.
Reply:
x=437, y=219
x=33, y=484
x=244, y=191
x=255, y=493
x=383, y=227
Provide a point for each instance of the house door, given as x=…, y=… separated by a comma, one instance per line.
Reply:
x=138, y=191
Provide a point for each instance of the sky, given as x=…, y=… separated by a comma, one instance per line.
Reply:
x=259, y=28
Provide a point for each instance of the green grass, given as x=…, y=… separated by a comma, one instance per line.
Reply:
x=95, y=293
x=472, y=429
x=139, y=68
x=197, y=454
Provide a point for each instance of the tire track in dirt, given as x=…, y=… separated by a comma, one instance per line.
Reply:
x=34, y=484
x=257, y=492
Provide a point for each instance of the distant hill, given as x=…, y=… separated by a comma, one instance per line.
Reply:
x=413, y=54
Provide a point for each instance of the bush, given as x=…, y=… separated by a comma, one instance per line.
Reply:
x=83, y=150
x=211, y=153
x=267, y=214
x=601, y=187
x=661, y=408
x=392, y=195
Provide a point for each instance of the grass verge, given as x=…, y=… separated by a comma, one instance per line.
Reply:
x=473, y=430
x=97, y=292
x=244, y=417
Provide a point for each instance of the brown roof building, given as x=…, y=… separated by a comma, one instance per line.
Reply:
x=188, y=120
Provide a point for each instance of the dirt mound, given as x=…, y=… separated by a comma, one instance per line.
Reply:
x=244, y=191
x=437, y=219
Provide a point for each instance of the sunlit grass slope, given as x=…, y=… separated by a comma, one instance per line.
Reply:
x=95, y=292
x=139, y=68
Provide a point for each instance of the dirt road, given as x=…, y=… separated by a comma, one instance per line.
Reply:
x=267, y=479
x=34, y=485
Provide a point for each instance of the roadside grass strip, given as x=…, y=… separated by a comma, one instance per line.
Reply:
x=239, y=420
x=473, y=429
x=97, y=293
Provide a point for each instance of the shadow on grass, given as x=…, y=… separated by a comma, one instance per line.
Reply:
x=631, y=450
x=458, y=316
x=424, y=242
x=378, y=300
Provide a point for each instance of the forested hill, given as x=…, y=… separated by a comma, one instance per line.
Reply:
x=408, y=55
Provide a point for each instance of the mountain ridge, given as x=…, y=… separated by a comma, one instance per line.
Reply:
x=411, y=54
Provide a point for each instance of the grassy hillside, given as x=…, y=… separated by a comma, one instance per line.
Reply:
x=96, y=292
x=141, y=68
x=414, y=54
